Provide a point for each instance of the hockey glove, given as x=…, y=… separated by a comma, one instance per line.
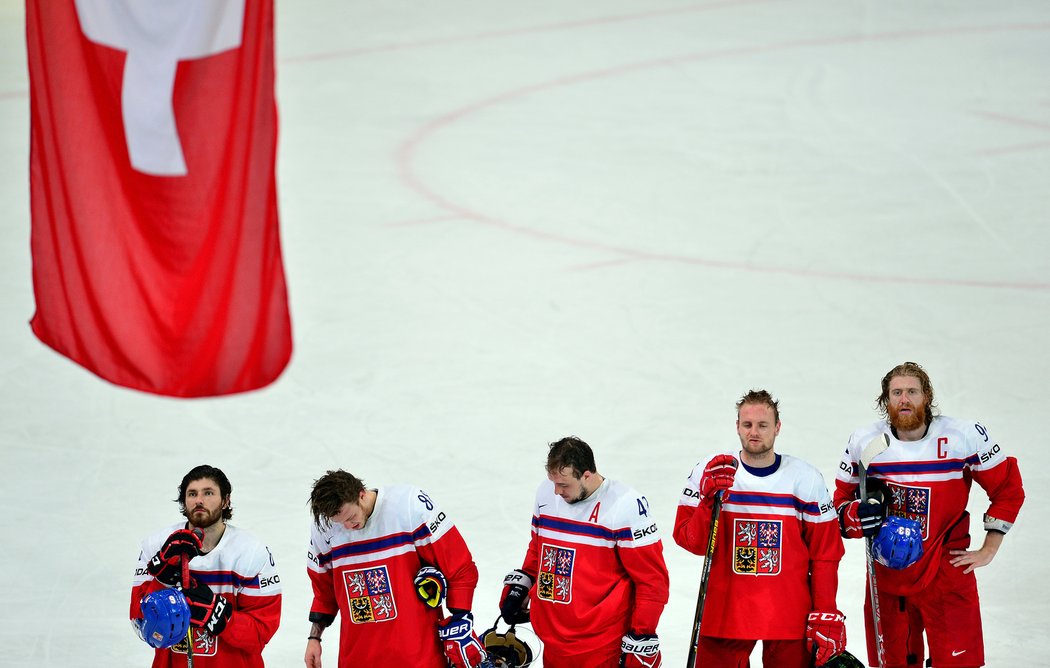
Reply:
x=430, y=586
x=718, y=476
x=461, y=644
x=166, y=564
x=208, y=610
x=827, y=632
x=858, y=519
x=640, y=650
x=514, y=603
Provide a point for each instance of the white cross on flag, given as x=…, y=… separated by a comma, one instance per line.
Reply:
x=156, y=250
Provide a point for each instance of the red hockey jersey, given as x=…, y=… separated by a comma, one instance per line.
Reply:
x=930, y=481
x=242, y=569
x=775, y=529
x=366, y=576
x=599, y=572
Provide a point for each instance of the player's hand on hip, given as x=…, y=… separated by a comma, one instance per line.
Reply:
x=826, y=629
x=640, y=650
x=971, y=559
x=718, y=476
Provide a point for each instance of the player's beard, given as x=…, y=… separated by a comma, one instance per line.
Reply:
x=909, y=422
x=204, y=519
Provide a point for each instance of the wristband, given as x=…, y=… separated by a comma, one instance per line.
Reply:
x=317, y=638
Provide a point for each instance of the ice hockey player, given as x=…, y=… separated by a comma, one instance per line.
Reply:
x=386, y=560
x=927, y=472
x=774, y=572
x=233, y=589
x=594, y=580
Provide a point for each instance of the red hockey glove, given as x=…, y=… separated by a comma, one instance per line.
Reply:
x=640, y=650
x=718, y=476
x=514, y=602
x=461, y=644
x=166, y=564
x=827, y=632
x=430, y=586
x=208, y=610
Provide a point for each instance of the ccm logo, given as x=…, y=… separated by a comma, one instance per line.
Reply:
x=266, y=582
x=640, y=533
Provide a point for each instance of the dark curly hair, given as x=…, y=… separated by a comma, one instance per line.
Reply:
x=211, y=473
x=571, y=452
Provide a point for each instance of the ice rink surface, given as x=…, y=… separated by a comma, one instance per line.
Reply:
x=508, y=222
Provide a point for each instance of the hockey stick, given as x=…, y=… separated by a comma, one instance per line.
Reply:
x=873, y=449
x=705, y=575
x=189, y=631
x=186, y=581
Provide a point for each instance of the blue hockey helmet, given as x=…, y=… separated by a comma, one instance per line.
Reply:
x=165, y=618
x=898, y=543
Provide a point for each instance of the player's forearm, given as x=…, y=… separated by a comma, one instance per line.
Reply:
x=992, y=541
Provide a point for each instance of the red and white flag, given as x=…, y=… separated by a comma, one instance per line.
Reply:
x=156, y=250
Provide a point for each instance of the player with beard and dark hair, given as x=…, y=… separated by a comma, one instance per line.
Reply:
x=594, y=582
x=233, y=590
x=927, y=472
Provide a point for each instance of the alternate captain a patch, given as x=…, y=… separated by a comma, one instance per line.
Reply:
x=911, y=502
x=369, y=595
x=756, y=546
x=555, y=579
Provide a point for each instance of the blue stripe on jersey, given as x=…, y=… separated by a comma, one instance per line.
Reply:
x=374, y=545
x=776, y=500
x=213, y=578
x=946, y=466
x=581, y=528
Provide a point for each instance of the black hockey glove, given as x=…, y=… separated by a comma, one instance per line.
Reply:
x=208, y=610
x=858, y=519
x=514, y=603
x=166, y=564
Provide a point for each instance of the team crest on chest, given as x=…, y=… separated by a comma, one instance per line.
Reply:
x=555, y=578
x=204, y=644
x=756, y=546
x=911, y=502
x=368, y=593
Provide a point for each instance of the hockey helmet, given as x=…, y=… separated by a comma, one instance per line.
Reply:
x=843, y=660
x=506, y=650
x=165, y=618
x=898, y=543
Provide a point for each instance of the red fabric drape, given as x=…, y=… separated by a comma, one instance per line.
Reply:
x=156, y=250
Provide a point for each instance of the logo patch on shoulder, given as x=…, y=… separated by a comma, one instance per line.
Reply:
x=369, y=595
x=756, y=546
x=555, y=577
x=911, y=502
